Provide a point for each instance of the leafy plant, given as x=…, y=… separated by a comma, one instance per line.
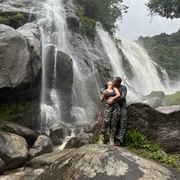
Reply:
x=105, y=11
x=87, y=25
x=138, y=143
x=14, y=21
x=165, y=159
x=135, y=139
x=168, y=9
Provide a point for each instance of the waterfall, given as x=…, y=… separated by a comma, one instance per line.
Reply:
x=55, y=36
x=145, y=75
x=53, y=27
x=86, y=81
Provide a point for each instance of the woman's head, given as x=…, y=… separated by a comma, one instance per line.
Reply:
x=109, y=83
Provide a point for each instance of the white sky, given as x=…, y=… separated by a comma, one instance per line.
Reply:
x=137, y=22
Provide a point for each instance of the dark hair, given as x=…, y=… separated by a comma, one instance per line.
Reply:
x=118, y=80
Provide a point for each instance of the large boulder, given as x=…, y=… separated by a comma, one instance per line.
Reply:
x=19, y=79
x=32, y=33
x=45, y=143
x=59, y=64
x=14, y=59
x=161, y=128
x=13, y=150
x=2, y=167
x=48, y=158
x=78, y=141
x=106, y=162
x=73, y=22
x=26, y=133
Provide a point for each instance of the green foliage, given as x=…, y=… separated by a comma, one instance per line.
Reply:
x=168, y=9
x=165, y=159
x=87, y=25
x=165, y=51
x=4, y=20
x=138, y=143
x=173, y=99
x=16, y=111
x=14, y=21
x=105, y=11
x=135, y=139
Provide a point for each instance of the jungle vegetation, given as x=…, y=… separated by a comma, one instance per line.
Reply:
x=168, y=9
x=105, y=11
x=164, y=49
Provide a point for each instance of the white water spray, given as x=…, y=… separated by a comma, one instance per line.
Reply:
x=145, y=76
x=54, y=33
x=53, y=27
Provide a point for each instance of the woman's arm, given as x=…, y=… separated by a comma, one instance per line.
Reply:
x=102, y=97
x=112, y=99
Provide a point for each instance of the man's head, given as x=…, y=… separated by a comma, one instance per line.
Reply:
x=117, y=81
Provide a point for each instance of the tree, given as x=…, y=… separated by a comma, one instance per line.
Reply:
x=165, y=8
x=164, y=49
x=105, y=11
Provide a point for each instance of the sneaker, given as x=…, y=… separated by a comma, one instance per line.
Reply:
x=117, y=143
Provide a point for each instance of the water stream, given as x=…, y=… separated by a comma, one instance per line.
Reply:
x=85, y=88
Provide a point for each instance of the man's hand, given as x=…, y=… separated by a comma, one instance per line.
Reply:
x=109, y=100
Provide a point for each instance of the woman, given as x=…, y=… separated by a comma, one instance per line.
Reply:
x=111, y=113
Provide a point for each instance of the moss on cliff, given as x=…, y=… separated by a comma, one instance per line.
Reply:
x=14, y=21
x=87, y=25
x=173, y=99
x=24, y=113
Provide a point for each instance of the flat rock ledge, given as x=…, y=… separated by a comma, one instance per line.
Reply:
x=104, y=162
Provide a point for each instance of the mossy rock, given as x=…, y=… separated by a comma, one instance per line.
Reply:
x=159, y=94
x=173, y=99
x=15, y=20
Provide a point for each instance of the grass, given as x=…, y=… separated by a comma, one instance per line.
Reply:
x=138, y=143
x=173, y=99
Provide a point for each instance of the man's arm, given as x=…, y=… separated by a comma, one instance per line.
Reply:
x=123, y=93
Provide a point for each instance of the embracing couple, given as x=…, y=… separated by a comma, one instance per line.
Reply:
x=115, y=111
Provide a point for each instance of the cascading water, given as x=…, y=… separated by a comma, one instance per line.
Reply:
x=83, y=99
x=53, y=27
x=55, y=36
x=145, y=76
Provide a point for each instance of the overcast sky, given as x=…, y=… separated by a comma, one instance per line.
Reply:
x=137, y=22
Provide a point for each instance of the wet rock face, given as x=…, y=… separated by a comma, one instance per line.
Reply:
x=13, y=149
x=15, y=66
x=73, y=22
x=105, y=162
x=20, y=65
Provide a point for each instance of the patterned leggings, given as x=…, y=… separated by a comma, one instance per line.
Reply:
x=110, y=118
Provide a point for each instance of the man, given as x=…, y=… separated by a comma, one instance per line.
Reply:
x=122, y=101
